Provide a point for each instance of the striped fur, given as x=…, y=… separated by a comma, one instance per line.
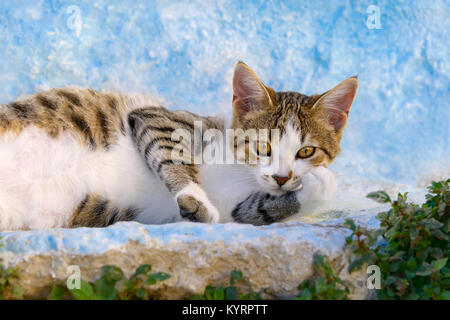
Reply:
x=92, y=117
x=93, y=211
x=152, y=128
x=264, y=208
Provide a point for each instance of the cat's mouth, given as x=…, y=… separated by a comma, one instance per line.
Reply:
x=277, y=191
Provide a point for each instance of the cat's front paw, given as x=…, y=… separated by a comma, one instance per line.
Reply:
x=318, y=184
x=195, y=206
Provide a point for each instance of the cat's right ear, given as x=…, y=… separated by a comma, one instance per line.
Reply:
x=249, y=93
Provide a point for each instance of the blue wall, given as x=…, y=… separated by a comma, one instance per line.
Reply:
x=184, y=51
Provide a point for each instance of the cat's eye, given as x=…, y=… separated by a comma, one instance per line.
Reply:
x=263, y=149
x=305, y=152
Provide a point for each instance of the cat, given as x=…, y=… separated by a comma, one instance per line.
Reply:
x=77, y=157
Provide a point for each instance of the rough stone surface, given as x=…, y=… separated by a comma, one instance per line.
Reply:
x=277, y=257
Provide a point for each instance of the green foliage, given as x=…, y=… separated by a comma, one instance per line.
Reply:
x=231, y=292
x=324, y=285
x=414, y=247
x=8, y=288
x=379, y=196
x=113, y=285
x=8, y=277
x=57, y=293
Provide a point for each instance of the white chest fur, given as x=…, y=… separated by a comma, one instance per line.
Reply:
x=227, y=185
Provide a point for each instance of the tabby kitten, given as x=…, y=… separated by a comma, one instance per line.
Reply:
x=77, y=157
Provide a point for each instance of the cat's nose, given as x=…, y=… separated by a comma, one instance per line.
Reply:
x=281, y=180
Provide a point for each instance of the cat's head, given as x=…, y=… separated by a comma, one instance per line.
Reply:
x=309, y=128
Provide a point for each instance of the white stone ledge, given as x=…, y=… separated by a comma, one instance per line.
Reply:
x=278, y=256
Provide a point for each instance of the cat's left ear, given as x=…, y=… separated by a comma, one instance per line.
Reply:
x=334, y=105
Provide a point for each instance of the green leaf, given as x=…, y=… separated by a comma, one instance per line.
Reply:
x=320, y=285
x=318, y=260
x=439, y=264
x=112, y=273
x=436, y=252
x=440, y=235
x=155, y=277
x=411, y=263
x=356, y=264
x=231, y=293
x=56, y=293
x=305, y=295
x=382, y=216
x=431, y=223
x=447, y=226
x=104, y=289
x=235, y=276
x=350, y=224
x=394, y=266
x=425, y=269
x=392, y=233
x=379, y=196
x=219, y=294
x=413, y=231
x=143, y=269
x=84, y=293
x=209, y=293
x=142, y=294
x=445, y=295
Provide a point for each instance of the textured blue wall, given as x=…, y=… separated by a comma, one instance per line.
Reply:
x=184, y=51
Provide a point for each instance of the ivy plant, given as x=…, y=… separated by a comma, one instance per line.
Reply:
x=8, y=278
x=113, y=285
x=324, y=284
x=411, y=247
x=231, y=292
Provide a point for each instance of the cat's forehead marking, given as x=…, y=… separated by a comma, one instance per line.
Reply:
x=291, y=107
x=292, y=131
x=291, y=137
